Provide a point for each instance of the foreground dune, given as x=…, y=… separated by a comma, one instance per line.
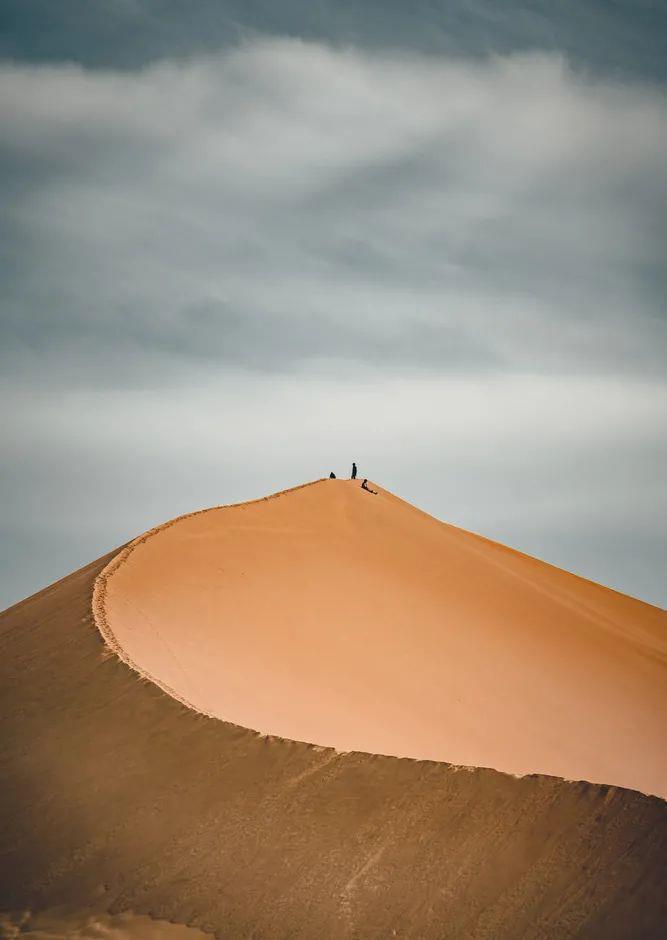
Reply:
x=117, y=801
x=345, y=619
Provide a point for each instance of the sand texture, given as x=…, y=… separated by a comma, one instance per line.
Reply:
x=335, y=617
x=116, y=797
x=60, y=923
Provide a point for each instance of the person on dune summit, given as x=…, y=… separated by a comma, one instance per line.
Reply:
x=366, y=487
x=354, y=471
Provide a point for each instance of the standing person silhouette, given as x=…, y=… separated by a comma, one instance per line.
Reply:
x=354, y=470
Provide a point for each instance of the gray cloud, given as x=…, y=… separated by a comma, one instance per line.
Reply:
x=221, y=276
x=288, y=202
x=623, y=38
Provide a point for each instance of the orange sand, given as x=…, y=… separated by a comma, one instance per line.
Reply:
x=332, y=616
x=115, y=798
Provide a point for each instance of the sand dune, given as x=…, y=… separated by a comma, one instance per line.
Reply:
x=118, y=802
x=339, y=618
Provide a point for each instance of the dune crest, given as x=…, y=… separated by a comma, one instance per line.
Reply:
x=329, y=615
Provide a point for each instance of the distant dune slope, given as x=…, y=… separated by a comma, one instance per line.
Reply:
x=114, y=795
x=337, y=617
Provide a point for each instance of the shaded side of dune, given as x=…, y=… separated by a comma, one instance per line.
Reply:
x=112, y=791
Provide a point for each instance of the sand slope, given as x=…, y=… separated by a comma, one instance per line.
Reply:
x=332, y=616
x=115, y=795
x=118, y=802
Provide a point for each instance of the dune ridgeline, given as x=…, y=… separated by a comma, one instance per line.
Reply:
x=326, y=714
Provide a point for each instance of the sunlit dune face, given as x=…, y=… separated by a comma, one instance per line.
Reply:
x=349, y=619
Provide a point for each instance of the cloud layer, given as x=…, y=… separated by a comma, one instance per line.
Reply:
x=285, y=202
x=222, y=274
x=623, y=39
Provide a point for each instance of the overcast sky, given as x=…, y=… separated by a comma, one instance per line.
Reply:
x=243, y=243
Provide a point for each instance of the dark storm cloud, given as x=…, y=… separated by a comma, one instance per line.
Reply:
x=619, y=37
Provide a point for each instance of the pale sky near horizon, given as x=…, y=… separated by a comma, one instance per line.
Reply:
x=244, y=243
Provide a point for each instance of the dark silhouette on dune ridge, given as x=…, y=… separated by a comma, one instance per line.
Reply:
x=117, y=796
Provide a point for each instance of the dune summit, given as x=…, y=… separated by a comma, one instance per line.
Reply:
x=332, y=616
